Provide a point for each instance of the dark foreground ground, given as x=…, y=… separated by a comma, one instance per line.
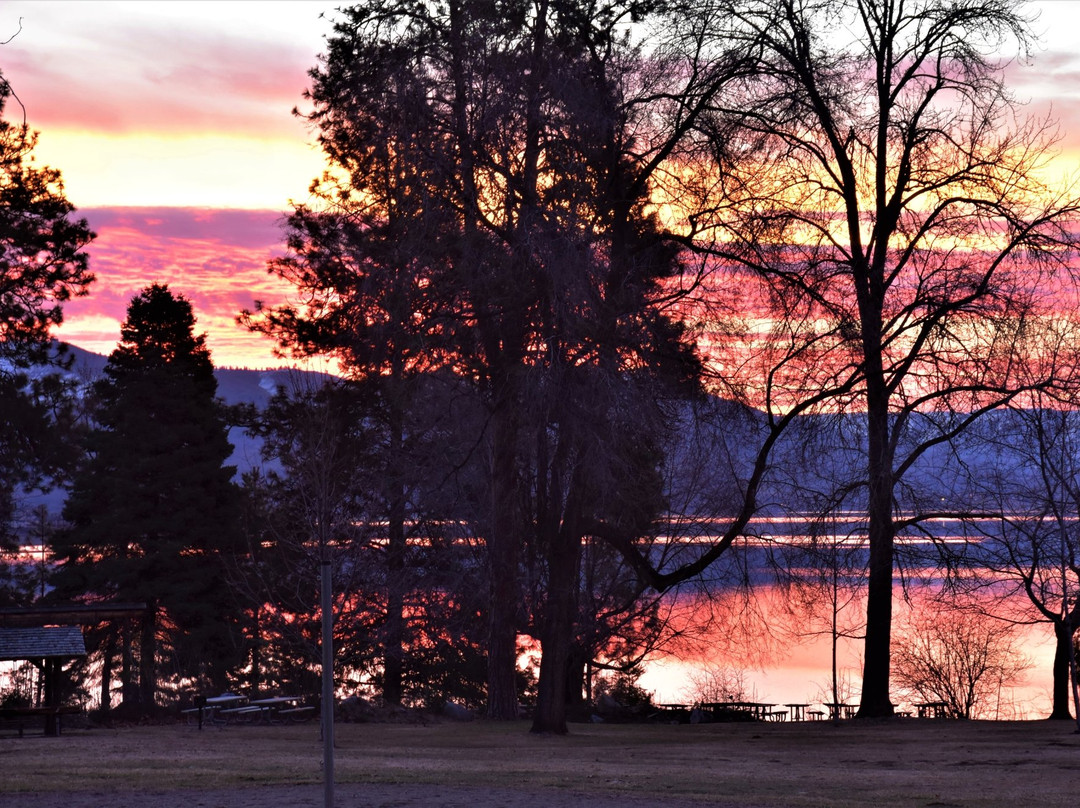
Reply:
x=346, y=796
x=931, y=764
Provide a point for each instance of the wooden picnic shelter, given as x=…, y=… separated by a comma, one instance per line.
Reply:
x=49, y=636
x=48, y=647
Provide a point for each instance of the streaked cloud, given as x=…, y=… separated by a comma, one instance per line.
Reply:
x=172, y=125
x=178, y=68
x=1049, y=82
x=168, y=103
x=215, y=258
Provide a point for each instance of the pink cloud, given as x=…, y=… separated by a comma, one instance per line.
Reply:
x=215, y=258
x=123, y=68
x=241, y=228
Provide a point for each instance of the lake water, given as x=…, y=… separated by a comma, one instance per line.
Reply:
x=783, y=657
x=778, y=638
x=781, y=651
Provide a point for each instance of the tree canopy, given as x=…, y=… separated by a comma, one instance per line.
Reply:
x=42, y=266
x=827, y=208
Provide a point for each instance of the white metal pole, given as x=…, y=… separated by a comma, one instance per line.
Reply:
x=327, y=684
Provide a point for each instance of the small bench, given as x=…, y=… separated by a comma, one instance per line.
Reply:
x=296, y=713
x=241, y=713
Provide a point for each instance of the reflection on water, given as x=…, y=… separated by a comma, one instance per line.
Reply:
x=783, y=650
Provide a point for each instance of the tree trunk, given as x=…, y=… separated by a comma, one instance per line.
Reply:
x=393, y=654
x=876, y=702
x=108, y=649
x=560, y=613
x=326, y=672
x=503, y=573
x=255, y=679
x=577, y=666
x=128, y=691
x=1062, y=671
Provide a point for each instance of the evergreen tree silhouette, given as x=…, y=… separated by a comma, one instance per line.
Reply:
x=153, y=510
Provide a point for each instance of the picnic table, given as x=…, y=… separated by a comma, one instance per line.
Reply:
x=276, y=709
x=798, y=711
x=840, y=710
x=932, y=709
x=18, y=716
x=672, y=712
x=232, y=708
x=761, y=710
x=213, y=708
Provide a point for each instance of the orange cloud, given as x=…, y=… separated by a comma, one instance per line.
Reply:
x=158, y=103
x=215, y=258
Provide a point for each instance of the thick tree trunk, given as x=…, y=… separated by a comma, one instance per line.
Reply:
x=560, y=613
x=1062, y=671
x=576, y=703
x=502, y=547
x=876, y=702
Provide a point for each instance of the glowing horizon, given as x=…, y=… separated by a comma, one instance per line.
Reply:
x=216, y=258
x=172, y=126
x=178, y=116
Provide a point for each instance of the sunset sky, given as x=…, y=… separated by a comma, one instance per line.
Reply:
x=171, y=123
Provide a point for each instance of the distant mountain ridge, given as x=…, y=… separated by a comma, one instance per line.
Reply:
x=932, y=473
x=235, y=385
x=806, y=459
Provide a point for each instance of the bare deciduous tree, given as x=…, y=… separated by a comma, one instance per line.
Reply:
x=888, y=190
x=958, y=657
x=717, y=684
x=1028, y=555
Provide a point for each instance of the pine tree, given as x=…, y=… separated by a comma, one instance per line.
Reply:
x=42, y=266
x=153, y=509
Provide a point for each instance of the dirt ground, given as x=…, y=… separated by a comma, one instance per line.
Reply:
x=346, y=796
x=924, y=763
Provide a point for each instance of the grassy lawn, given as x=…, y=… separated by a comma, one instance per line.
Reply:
x=903, y=763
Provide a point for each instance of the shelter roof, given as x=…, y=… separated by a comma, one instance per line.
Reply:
x=40, y=642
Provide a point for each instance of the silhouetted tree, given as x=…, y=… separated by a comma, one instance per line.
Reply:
x=888, y=192
x=152, y=510
x=958, y=657
x=325, y=448
x=316, y=509
x=1027, y=558
x=42, y=266
x=370, y=257
x=484, y=157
